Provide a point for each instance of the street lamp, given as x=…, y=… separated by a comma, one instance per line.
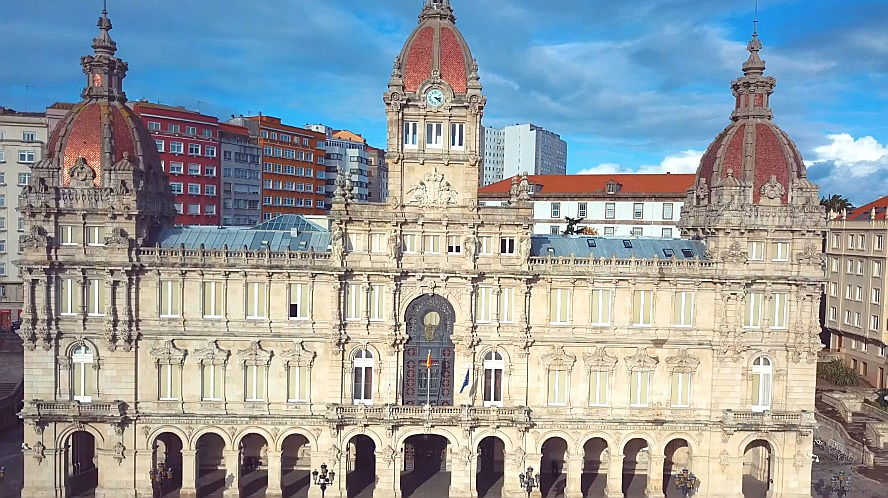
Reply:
x=160, y=476
x=686, y=482
x=840, y=484
x=323, y=478
x=529, y=480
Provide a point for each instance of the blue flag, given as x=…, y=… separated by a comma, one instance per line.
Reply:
x=465, y=382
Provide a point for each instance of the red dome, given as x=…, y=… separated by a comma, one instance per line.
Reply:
x=752, y=152
x=437, y=45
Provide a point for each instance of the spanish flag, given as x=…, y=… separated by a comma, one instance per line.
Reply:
x=429, y=360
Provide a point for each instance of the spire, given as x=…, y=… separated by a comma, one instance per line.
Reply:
x=102, y=43
x=754, y=64
x=753, y=90
x=104, y=71
x=437, y=9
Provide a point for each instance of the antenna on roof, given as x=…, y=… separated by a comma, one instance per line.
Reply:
x=104, y=6
x=755, y=19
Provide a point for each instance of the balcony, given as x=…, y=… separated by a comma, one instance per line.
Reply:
x=748, y=419
x=59, y=411
x=429, y=416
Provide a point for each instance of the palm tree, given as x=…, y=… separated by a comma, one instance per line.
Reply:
x=837, y=203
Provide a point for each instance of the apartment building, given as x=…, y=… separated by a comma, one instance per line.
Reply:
x=346, y=153
x=377, y=175
x=241, y=176
x=293, y=166
x=628, y=205
x=22, y=138
x=494, y=154
x=188, y=143
x=855, y=315
x=522, y=148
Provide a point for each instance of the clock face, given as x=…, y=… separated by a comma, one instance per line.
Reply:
x=435, y=98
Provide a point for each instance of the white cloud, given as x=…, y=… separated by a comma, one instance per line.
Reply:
x=854, y=167
x=845, y=150
x=685, y=161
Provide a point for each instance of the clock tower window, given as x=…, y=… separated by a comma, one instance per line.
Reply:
x=411, y=133
x=457, y=135
x=434, y=135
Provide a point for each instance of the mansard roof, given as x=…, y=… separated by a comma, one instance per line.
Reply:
x=280, y=234
x=562, y=246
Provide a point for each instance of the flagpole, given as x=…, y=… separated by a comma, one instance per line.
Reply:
x=429, y=379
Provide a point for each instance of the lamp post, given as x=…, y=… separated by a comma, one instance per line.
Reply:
x=529, y=481
x=323, y=478
x=686, y=482
x=160, y=476
x=840, y=484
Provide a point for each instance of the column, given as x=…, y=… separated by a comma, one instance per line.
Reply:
x=273, y=490
x=574, y=477
x=189, y=474
x=319, y=458
x=655, y=476
x=144, y=463
x=388, y=475
x=534, y=460
x=615, y=476
x=460, y=472
x=232, y=473
x=512, y=466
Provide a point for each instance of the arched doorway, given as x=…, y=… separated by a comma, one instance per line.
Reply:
x=211, y=470
x=636, y=462
x=361, y=469
x=425, y=471
x=491, y=460
x=553, y=477
x=80, y=462
x=678, y=457
x=596, y=457
x=167, y=464
x=429, y=321
x=757, y=469
x=253, y=463
x=295, y=466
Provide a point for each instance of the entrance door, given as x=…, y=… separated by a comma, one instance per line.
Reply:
x=429, y=322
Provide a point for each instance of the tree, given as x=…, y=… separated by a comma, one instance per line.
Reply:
x=837, y=203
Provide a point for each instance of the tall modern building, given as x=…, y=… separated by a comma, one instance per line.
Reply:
x=23, y=136
x=377, y=175
x=347, y=156
x=188, y=143
x=241, y=176
x=428, y=338
x=522, y=148
x=856, y=312
x=293, y=167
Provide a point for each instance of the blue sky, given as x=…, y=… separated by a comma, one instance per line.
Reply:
x=632, y=85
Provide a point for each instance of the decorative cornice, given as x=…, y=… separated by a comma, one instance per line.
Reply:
x=683, y=362
x=599, y=360
x=641, y=361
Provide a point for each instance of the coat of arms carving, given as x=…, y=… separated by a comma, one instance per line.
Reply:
x=433, y=191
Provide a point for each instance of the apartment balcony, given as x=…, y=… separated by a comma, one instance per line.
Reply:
x=62, y=411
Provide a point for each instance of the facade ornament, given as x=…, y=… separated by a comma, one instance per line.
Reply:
x=810, y=254
x=524, y=189
x=683, y=362
x=299, y=355
x=773, y=190
x=598, y=360
x=518, y=457
x=558, y=358
x=513, y=191
x=337, y=243
x=118, y=452
x=394, y=244
x=433, y=191
x=37, y=451
x=641, y=361
x=389, y=454
x=396, y=68
x=470, y=243
x=724, y=460
x=213, y=354
x=735, y=253
x=524, y=248
x=169, y=354
x=82, y=174
x=255, y=354
x=118, y=237
x=35, y=238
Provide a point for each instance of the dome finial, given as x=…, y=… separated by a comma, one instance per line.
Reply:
x=440, y=9
x=102, y=43
x=754, y=64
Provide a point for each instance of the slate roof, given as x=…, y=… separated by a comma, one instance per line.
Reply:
x=283, y=233
x=864, y=213
x=633, y=184
x=561, y=246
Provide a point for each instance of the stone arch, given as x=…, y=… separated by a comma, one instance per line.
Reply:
x=608, y=438
x=647, y=437
x=253, y=445
x=210, y=429
x=359, y=431
x=62, y=436
x=167, y=460
x=678, y=454
x=664, y=442
x=744, y=443
x=312, y=439
x=73, y=343
x=417, y=292
x=478, y=436
x=760, y=464
x=452, y=440
x=80, y=461
x=637, y=463
x=489, y=453
x=157, y=431
x=361, y=347
x=569, y=439
x=430, y=324
x=270, y=441
x=594, y=474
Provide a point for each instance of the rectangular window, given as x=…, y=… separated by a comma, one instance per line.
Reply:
x=609, y=210
x=681, y=389
x=637, y=211
x=642, y=307
x=353, y=242
x=409, y=243
x=454, y=245
x=176, y=168
x=601, y=303
x=254, y=382
x=457, y=136
x=194, y=189
x=598, y=388
x=69, y=296
x=849, y=268
x=861, y=242
x=860, y=267
x=169, y=381
x=212, y=382
x=486, y=245
x=176, y=188
x=874, y=322
x=354, y=297
x=69, y=235
x=255, y=300
x=667, y=211
x=836, y=241
x=298, y=382
x=191, y=130
x=582, y=210
x=153, y=126
x=377, y=303
x=683, y=309
x=210, y=151
x=176, y=147
x=555, y=229
x=194, y=169
x=608, y=231
x=213, y=299
x=298, y=302
x=781, y=251
x=833, y=289
x=560, y=306
x=876, y=295
x=666, y=233
x=877, y=269
x=556, y=210
x=434, y=135
x=507, y=304
x=95, y=236
x=483, y=305
x=170, y=298
x=778, y=310
x=159, y=144
x=26, y=156
x=431, y=244
x=856, y=322
x=753, y=317
x=849, y=291
x=95, y=297
x=877, y=242
x=756, y=251
x=377, y=243
x=833, y=313
x=194, y=149
x=858, y=293
x=209, y=190
x=24, y=179
x=851, y=241
x=639, y=382
x=835, y=265
x=558, y=387
x=507, y=245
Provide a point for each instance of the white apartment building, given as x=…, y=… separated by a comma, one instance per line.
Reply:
x=523, y=148
x=347, y=152
x=22, y=138
x=628, y=205
x=855, y=313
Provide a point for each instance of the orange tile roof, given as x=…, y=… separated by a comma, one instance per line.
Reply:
x=863, y=212
x=349, y=135
x=635, y=184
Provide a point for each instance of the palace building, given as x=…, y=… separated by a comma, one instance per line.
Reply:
x=425, y=342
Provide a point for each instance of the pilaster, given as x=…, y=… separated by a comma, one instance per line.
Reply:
x=655, y=476
x=615, y=476
x=189, y=474
x=232, y=474
x=273, y=490
x=574, y=477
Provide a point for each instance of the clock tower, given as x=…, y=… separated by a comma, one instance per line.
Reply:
x=434, y=107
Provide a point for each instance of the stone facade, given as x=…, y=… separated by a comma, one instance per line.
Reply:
x=433, y=332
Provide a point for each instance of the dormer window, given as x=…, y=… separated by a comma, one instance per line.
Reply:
x=612, y=187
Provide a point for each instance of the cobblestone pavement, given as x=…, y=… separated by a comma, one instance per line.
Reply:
x=861, y=487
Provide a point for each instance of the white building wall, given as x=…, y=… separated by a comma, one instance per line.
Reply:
x=516, y=149
x=494, y=151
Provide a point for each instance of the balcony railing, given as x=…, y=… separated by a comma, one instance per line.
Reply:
x=733, y=418
x=434, y=415
x=68, y=410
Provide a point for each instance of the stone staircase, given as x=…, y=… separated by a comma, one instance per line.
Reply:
x=856, y=428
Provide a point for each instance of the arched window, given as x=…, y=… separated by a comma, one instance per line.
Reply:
x=83, y=375
x=493, y=379
x=762, y=371
x=362, y=394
